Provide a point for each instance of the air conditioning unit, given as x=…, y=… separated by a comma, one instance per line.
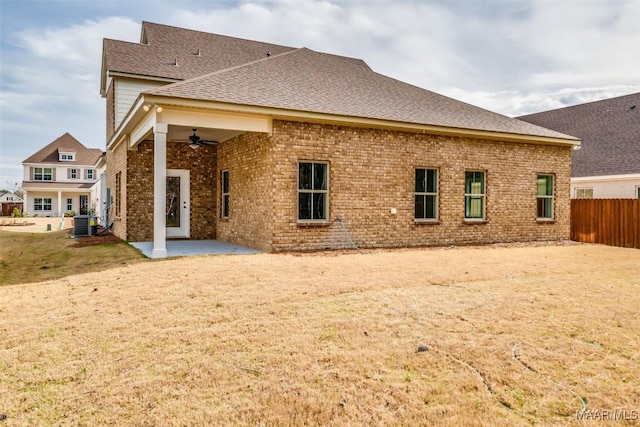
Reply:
x=83, y=225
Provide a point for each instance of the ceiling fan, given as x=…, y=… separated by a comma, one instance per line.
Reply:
x=197, y=142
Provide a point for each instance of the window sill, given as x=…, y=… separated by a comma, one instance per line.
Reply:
x=474, y=221
x=426, y=222
x=545, y=220
x=313, y=223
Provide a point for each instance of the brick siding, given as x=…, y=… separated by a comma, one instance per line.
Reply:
x=371, y=171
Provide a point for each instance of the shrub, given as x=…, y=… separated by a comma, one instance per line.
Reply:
x=16, y=213
x=70, y=213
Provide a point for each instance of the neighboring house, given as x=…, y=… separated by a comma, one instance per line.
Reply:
x=9, y=201
x=304, y=146
x=608, y=163
x=61, y=178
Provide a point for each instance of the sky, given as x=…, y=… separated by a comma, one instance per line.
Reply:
x=513, y=57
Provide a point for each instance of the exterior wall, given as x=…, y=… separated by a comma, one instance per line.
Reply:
x=372, y=171
x=248, y=158
x=117, y=163
x=61, y=173
x=611, y=187
x=58, y=205
x=126, y=93
x=139, y=189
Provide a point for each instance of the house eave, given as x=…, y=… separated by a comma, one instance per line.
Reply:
x=296, y=115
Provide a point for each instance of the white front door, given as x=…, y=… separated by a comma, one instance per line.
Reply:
x=178, y=207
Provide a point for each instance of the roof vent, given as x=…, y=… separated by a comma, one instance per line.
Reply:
x=268, y=53
x=198, y=53
x=632, y=107
x=175, y=62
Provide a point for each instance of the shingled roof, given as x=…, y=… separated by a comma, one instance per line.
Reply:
x=305, y=80
x=195, y=52
x=225, y=69
x=610, y=133
x=65, y=143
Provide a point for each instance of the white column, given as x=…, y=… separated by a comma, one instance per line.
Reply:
x=60, y=203
x=159, y=190
x=25, y=202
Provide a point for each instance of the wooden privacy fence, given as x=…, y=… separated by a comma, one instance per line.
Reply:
x=614, y=222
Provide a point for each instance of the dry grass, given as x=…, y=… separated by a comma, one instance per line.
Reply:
x=27, y=257
x=515, y=336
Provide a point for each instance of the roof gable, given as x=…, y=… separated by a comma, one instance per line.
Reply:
x=610, y=133
x=305, y=80
x=65, y=143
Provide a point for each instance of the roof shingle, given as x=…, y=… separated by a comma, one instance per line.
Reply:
x=305, y=80
x=66, y=142
x=610, y=133
x=162, y=45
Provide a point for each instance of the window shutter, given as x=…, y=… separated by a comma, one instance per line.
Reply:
x=32, y=174
x=68, y=173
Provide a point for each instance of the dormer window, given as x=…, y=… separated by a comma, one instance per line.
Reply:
x=66, y=157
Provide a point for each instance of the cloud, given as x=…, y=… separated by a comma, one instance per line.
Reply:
x=52, y=85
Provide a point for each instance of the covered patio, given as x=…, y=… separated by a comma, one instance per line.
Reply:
x=177, y=248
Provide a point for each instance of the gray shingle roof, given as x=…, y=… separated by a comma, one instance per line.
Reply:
x=610, y=133
x=162, y=45
x=305, y=80
x=66, y=142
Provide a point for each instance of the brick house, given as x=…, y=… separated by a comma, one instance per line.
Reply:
x=608, y=164
x=61, y=177
x=303, y=147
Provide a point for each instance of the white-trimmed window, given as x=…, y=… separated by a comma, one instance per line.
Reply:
x=42, y=174
x=584, y=193
x=69, y=204
x=638, y=191
x=9, y=198
x=73, y=173
x=545, y=197
x=474, y=195
x=426, y=194
x=42, y=204
x=224, y=202
x=89, y=173
x=66, y=157
x=313, y=191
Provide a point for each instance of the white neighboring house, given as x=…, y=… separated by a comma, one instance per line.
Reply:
x=608, y=164
x=10, y=199
x=63, y=177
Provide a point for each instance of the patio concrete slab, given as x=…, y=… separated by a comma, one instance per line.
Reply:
x=195, y=247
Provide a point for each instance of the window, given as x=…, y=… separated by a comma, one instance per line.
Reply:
x=89, y=173
x=9, y=198
x=545, y=196
x=42, y=174
x=638, y=191
x=67, y=157
x=118, y=192
x=474, y=195
x=73, y=173
x=224, y=213
x=69, y=205
x=426, y=194
x=584, y=193
x=42, y=204
x=313, y=190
